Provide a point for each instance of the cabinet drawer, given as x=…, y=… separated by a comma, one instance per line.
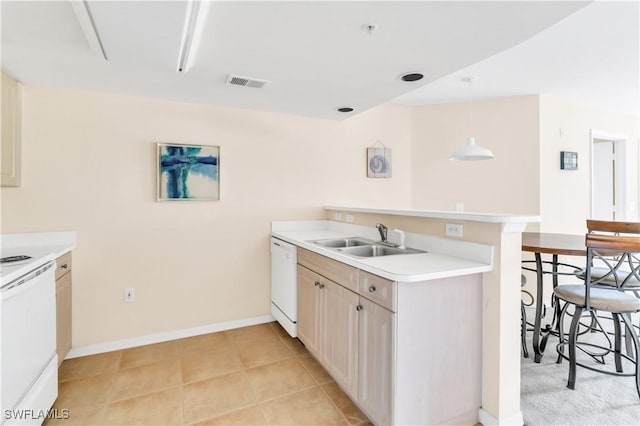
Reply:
x=378, y=290
x=338, y=272
x=63, y=265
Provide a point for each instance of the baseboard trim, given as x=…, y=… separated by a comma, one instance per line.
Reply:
x=99, y=348
x=489, y=420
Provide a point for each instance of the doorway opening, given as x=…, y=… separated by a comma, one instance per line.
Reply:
x=608, y=176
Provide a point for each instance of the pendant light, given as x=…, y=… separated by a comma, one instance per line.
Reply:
x=470, y=151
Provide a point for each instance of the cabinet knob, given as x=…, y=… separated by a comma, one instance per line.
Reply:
x=65, y=266
x=358, y=308
x=321, y=285
x=317, y=283
x=372, y=288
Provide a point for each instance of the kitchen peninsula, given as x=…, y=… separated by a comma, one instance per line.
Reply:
x=450, y=341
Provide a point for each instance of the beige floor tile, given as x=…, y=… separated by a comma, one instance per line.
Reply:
x=261, y=352
x=246, y=416
x=146, y=379
x=87, y=366
x=159, y=408
x=252, y=333
x=309, y=407
x=214, y=397
x=295, y=346
x=145, y=355
x=344, y=404
x=315, y=369
x=204, y=343
x=280, y=378
x=93, y=390
x=206, y=365
x=88, y=415
x=280, y=332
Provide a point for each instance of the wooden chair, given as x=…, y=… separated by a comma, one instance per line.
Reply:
x=612, y=248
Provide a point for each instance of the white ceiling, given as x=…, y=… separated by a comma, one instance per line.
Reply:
x=592, y=57
x=318, y=56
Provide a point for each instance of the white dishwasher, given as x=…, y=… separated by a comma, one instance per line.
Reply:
x=284, y=303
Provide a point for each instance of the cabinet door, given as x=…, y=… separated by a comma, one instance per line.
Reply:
x=309, y=308
x=375, y=361
x=10, y=132
x=340, y=336
x=63, y=316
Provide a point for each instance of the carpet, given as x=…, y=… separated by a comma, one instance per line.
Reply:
x=598, y=399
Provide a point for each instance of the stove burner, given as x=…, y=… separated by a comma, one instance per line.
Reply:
x=11, y=259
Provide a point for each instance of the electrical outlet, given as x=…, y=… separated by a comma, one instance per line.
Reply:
x=453, y=230
x=338, y=216
x=350, y=218
x=129, y=294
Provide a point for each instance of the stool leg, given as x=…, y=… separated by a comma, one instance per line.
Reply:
x=523, y=329
x=629, y=326
x=617, y=345
x=573, y=334
x=561, y=332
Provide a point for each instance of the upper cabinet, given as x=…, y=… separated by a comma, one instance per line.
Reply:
x=10, y=158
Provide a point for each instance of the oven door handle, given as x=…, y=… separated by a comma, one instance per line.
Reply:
x=27, y=277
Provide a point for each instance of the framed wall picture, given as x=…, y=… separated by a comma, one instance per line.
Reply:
x=378, y=162
x=188, y=172
x=568, y=160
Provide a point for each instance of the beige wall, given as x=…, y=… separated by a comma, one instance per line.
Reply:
x=565, y=201
x=507, y=184
x=89, y=166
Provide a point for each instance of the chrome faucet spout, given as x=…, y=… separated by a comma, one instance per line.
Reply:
x=383, y=232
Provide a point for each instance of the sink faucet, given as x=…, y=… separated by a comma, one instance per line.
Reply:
x=383, y=232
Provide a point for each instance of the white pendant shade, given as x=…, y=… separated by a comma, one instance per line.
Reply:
x=471, y=152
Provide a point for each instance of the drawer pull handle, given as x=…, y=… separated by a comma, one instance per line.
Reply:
x=65, y=266
x=317, y=283
x=359, y=308
x=372, y=289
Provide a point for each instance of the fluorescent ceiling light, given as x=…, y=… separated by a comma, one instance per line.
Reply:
x=191, y=34
x=88, y=26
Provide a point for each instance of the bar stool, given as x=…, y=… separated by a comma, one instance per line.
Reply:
x=617, y=254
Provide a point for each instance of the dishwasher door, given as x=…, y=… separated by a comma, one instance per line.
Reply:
x=284, y=303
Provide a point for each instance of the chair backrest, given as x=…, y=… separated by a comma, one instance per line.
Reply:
x=616, y=247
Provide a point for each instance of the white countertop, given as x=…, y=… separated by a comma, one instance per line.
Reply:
x=402, y=268
x=43, y=247
x=434, y=214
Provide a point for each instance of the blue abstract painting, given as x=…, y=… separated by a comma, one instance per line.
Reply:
x=188, y=172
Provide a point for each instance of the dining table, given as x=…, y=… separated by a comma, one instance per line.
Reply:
x=542, y=243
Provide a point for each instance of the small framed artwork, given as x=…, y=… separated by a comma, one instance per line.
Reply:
x=188, y=172
x=378, y=162
x=568, y=160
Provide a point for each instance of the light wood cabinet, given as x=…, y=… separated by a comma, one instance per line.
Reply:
x=339, y=331
x=10, y=157
x=309, y=309
x=63, y=306
x=375, y=344
x=406, y=353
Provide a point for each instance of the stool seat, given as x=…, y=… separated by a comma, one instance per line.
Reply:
x=602, y=299
x=598, y=272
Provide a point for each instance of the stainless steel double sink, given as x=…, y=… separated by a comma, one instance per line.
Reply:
x=361, y=247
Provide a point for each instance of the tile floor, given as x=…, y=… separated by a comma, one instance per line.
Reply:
x=249, y=376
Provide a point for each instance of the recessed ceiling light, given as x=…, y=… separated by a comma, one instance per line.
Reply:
x=345, y=109
x=412, y=76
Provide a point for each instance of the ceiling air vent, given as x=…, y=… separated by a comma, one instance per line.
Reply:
x=246, y=81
